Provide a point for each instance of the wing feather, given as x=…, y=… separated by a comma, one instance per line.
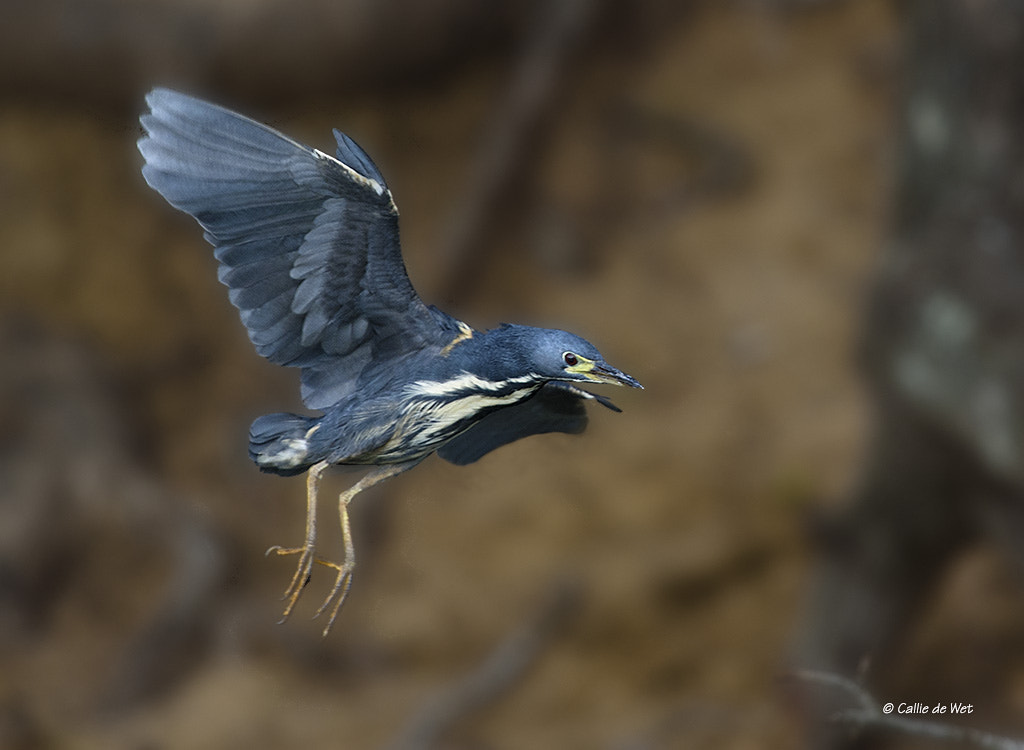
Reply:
x=307, y=243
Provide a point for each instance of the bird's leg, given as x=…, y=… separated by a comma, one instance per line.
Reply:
x=305, y=552
x=343, y=582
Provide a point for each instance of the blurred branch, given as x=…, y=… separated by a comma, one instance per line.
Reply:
x=505, y=154
x=495, y=675
x=721, y=165
x=77, y=502
x=868, y=715
x=106, y=53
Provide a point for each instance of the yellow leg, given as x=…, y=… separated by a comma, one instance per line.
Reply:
x=304, y=570
x=343, y=582
x=306, y=552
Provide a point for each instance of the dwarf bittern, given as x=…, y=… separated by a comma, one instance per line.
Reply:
x=308, y=248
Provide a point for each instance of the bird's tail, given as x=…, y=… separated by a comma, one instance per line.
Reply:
x=279, y=443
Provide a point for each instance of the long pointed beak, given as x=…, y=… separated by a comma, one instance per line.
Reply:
x=605, y=373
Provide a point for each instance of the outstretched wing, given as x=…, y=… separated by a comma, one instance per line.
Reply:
x=555, y=407
x=307, y=243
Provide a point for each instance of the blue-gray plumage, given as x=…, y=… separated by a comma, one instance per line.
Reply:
x=308, y=248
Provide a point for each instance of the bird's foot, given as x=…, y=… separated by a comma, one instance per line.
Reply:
x=303, y=572
x=339, y=592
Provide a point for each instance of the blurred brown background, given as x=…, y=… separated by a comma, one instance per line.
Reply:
x=702, y=189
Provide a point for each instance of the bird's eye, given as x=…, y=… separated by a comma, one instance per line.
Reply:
x=570, y=359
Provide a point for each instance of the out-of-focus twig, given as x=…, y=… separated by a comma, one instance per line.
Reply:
x=722, y=165
x=495, y=675
x=505, y=151
x=106, y=53
x=75, y=491
x=869, y=715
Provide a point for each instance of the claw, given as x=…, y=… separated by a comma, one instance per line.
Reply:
x=301, y=577
x=338, y=594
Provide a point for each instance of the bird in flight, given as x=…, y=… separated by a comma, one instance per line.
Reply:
x=308, y=247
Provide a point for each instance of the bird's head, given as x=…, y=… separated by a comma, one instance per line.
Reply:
x=560, y=355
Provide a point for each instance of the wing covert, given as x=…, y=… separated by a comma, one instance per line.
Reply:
x=307, y=243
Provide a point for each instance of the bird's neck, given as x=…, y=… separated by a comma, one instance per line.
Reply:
x=501, y=354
